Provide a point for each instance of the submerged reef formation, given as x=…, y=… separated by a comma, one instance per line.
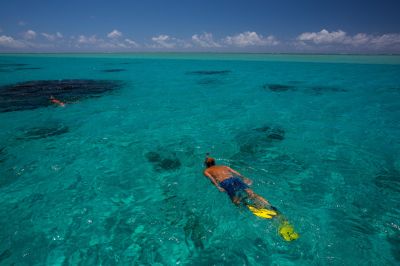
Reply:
x=388, y=179
x=198, y=229
x=11, y=67
x=2, y=154
x=5, y=65
x=28, y=68
x=275, y=133
x=323, y=89
x=209, y=77
x=113, y=70
x=257, y=139
x=261, y=145
x=163, y=162
x=316, y=90
x=35, y=94
x=278, y=87
x=43, y=132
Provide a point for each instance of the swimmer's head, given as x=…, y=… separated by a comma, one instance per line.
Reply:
x=209, y=161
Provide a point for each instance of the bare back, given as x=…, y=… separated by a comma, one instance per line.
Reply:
x=219, y=172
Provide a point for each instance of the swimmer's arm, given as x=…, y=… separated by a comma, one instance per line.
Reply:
x=213, y=181
x=245, y=179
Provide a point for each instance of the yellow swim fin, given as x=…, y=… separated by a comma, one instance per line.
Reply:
x=286, y=230
x=262, y=213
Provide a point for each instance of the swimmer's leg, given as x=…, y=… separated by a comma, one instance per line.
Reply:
x=260, y=200
x=236, y=200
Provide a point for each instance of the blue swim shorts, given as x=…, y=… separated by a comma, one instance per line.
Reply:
x=234, y=186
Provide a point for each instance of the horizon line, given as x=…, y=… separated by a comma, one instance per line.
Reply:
x=201, y=52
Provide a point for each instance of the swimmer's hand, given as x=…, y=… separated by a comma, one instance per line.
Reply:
x=247, y=181
x=221, y=189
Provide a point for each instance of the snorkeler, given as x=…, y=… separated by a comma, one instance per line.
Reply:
x=232, y=182
x=237, y=186
x=56, y=101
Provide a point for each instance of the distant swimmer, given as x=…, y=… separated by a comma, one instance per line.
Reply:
x=232, y=182
x=57, y=102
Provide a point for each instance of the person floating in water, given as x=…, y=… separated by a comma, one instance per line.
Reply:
x=56, y=101
x=232, y=182
x=238, y=188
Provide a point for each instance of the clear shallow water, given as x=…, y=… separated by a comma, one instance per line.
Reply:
x=90, y=194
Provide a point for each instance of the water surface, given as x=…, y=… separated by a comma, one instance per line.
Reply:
x=117, y=179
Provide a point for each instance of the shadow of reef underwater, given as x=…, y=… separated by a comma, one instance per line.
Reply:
x=259, y=146
x=2, y=154
x=113, y=70
x=42, y=132
x=254, y=141
x=163, y=161
x=314, y=89
x=278, y=87
x=8, y=68
x=35, y=94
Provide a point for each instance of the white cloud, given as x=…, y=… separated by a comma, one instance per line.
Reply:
x=164, y=41
x=93, y=42
x=131, y=43
x=29, y=35
x=205, y=40
x=10, y=42
x=341, y=38
x=323, y=36
x=386, y=40
x=250, y=39
x=21, y=23
x=111, y=45
x=52, y=37
x=82, y=39
x=114, y=34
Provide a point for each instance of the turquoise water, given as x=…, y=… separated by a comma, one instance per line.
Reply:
x=90, y=193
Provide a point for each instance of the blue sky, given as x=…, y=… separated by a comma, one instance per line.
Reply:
x=207, y=25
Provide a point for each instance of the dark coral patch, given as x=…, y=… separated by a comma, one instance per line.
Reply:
x=2, y=154
x=263, y=129
x=5, y=255
x=169, y=164
x=153, y=157
x=163, y=162
x=272, y=133
x=209, y=72
x=35, y=94
x=394, y=241
x=257, y=140
x=388, y=180
x=278, y=87
x=113, y=70
x=43, y=132
x=13, y=65
x=28, y=68
x=195, y=230
x=324, y=89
